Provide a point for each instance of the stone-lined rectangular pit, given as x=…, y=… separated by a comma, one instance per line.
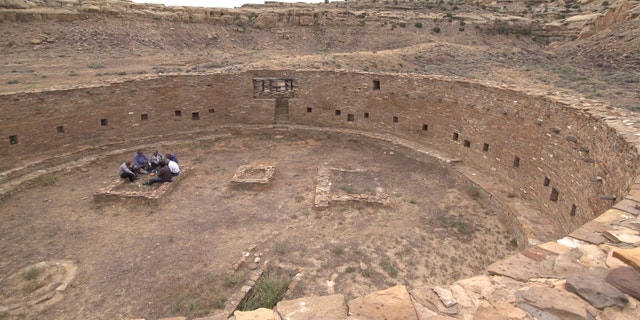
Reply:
x=122, y=190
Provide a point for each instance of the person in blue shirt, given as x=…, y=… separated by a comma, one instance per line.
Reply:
x=141, y=162
x=172, y=157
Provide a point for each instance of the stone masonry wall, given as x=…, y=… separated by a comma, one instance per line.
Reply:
x=559, y=154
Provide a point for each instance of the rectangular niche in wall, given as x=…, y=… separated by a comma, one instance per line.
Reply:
x=376, y=84
x=350, y=117
x=516, y=162
x=546, y=182
x=212, y=110
x=195, y=116
x=425, y=127
x=13, y=139
x=395, y=119
x=338, y=112
x=366, y=115
x=309, y=110
x=144, y=117
x=60, y=129
x=274, y=87
x=467, y=144
x=554, y=195
x=103, y=122
x=178, y=113
x=573, y=210
x=455, y=136
x=485, y=147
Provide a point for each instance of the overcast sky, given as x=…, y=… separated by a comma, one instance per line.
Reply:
x=217, y=3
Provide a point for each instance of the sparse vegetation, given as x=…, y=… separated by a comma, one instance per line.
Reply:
x=48, y=180
x=389, y=267
x=95, y=65
x=233, y=280
x=347, y=188
x=195, y=300
x=473, y=191
x=268, y=290
x=30, y=274
x=280, y=248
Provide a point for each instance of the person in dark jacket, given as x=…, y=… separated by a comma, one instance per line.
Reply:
x=164, y=174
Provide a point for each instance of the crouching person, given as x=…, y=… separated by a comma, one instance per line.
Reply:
x=164, y=174
x=173, y=167
x=126, y=171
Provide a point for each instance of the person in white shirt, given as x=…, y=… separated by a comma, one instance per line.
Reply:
x=173, y=166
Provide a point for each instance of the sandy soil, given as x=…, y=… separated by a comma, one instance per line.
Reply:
x=138, y=261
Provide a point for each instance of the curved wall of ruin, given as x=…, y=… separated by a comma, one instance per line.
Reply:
x=558, y=154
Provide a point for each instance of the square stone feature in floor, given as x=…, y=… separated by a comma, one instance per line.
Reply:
x=253, y=175
x=121, y=190
x=340, y=186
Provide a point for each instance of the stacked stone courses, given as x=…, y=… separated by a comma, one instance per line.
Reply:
x=570, y=159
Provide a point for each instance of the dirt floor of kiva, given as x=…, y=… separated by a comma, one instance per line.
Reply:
x=138, y=260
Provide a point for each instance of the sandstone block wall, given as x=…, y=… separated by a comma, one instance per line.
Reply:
x=558, y=154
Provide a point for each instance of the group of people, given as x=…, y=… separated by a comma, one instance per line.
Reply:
x=165, y=168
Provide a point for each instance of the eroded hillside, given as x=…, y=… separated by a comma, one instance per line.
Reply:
x=589, y=48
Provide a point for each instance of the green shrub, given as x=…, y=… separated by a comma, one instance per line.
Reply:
x=436, y=29
x=48, y=180
x=95, y=65
x=389, y=268
x=30, y=274
x=268, y=290
x=473, y=191
x=418, y=24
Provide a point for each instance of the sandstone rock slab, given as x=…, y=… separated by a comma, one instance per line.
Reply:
x=487, y=312
x=428, y=298
x=258, y=314
x=626, y=280
x=313, y=307
x=629, y=256
x=520, y=268
x=551, y=303
x=596, y=291
x=445, y=295
x=390, y=304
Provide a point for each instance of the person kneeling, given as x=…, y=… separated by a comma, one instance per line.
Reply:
x=126, y=171
x=164, y=174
